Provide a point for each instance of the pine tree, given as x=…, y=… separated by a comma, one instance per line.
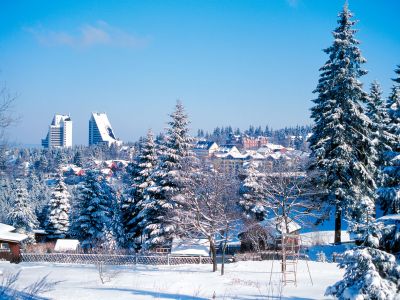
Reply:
x=22, y=216
x=57, y=221
x=389, y=192
x=252, y=192
x=94, y=214
x=133, y=207
x=342, y=150
x=166, y=195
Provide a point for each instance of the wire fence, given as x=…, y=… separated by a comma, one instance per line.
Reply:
x=112, y=259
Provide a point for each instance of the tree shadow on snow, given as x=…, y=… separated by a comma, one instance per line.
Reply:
x=155, y=295
x=253, y=297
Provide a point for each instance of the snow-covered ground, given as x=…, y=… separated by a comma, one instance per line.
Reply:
x=243, y=280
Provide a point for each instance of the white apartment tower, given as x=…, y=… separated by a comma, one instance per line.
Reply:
x=60, y=132
x=100, y=130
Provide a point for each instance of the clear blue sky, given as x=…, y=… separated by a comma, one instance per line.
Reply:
x=231, y=62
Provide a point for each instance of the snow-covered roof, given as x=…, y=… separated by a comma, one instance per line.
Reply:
x=274, y=156
x=225, y=150
x=6, y=228
x=66, y=245
x=278, y=224
x=12, y=237
x=228, y=148
x=7, y=235
x=206, y=145
x=195, y=247
x=254, y=154
x=71, y=167
x=274, y=146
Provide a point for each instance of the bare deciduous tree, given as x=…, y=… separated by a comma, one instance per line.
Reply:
x=210, y=211
x=288, y=195
x=7, y=117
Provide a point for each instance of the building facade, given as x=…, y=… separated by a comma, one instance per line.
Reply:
x=60, y=132
x=100, y=130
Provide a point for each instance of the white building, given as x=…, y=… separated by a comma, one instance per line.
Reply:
x=100, y=130
x=60, y=132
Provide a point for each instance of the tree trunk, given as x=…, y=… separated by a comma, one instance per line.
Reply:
x=223, y=259
x=213, y=255
x=338, y=225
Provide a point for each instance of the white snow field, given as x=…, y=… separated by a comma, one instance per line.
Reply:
x=243, y=280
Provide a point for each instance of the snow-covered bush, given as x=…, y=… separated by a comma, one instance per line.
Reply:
x=370, y=274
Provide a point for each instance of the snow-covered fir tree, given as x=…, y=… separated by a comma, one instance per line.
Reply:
x=114, y=235
x=167, y=194
x=389, y=192
x=78, y=158
x=133, y=207
x=94, y=211
x=40, y=194
x=369, y=274
x=7, y=194
x=22, y=216
x=397, y=71
x=343, y=152
x=377, y=112
x=57, y=221
x=252, y=191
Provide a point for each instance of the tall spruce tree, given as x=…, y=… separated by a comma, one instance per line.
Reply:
x=57, y=221
x=133, y=207
x=343, y=152
x=167, y=195
x=389, y=192
x=94, y=215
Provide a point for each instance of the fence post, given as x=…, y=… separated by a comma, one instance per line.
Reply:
x=199, y=259
x=135, y=258
x=168, y=259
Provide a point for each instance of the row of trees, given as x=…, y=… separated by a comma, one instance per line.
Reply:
x=289, y=136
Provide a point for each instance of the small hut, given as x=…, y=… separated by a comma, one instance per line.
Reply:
x=10, y=243
x=267, y=234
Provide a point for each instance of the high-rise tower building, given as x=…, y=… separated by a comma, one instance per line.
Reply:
x=100, y=130
x=60, y=132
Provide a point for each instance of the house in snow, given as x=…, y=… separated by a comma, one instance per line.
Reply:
x=268, y=234
x=10, y=243
x=229, y=159
x=205, y=148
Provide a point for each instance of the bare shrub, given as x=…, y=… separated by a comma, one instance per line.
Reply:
x=8, y=287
